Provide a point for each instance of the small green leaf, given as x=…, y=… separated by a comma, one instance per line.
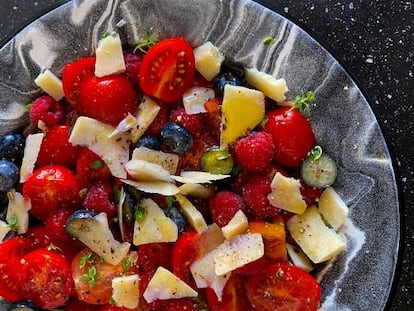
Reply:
x=268, y=40
x=316, y=153
x=170, y=201
x=28, y=105
x=86, y=258
x=127, y=263
x=96, y=165
x=140, y=213
x=91, y=276
x=13, y=222
x=302, y=102
x=106, y=34
x=112, y=301
x=144, y=45
x=263, y=122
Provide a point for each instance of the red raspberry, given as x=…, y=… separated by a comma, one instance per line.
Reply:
x=132, y=64
x=255, y=151
x=224, y=205
x=99, y=199
x=191, y=122
x=90, y=168
x=255, y=193
x=47, y=110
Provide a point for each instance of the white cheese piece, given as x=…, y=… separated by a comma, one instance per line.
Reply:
x=125, y=125
x=193, y=215
x=241, y=250
x=317, y=240
x=286, y=194
x=109, y=56
x=168, y=161
x=236, y=226
x=197, y=190
x=196, y=177
x=165, y=285
x=146, y=114
x=160, y=187
x=203, y=272
x=125, y=291
x=208, y=60
x=18, y=210
x=298, y=258
x=195, y=98
x=155, y=227
x=31, y=152
x=93, y=134
x=101, y=240
x=50, y=84
x=120, y=210
x=141, y=170
x=332, y=208
x=269, y=85
x=4, y=229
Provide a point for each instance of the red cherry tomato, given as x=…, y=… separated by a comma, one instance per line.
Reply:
x=153, y=255
x=181, y=304
x=96, y=288
x=108, y=99
x=292, y=135
x=167, y=70
x=73, y=76
x=77, y=305
x=283, y=287
x=50, y=188
x=56, y=149
x=48, y=278
x=11, y=268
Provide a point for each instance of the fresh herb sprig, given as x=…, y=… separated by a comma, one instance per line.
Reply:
x=303, y=101
x=144, y=45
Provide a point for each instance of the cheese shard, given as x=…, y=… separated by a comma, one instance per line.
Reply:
x=242, y=110
x=109, y=56
x=237, y=225
x=168, y=161
x=156, y=227
x=160, y=187
x=193, y=215
x=286, y=194
x=165, y=285
x=208, y=60
x=319, y=242
x=332, y=208
x=269, y=85
x=241, y=250
x=4, y=229
x=125, y=291
x=197, y=177
x=298, y=258
x=18, y=210
x=95, y=135
x=141, y=170
x=145, y=115
x=31, y=151
x=50, y=84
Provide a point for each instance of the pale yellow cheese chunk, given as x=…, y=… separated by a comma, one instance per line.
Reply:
x=168, y=161
x=192, y=214
x=332, y=208
x=269, y=85
x=141, y=170
x=125, y=291
x=208, y=60
x=50, y=84
x=109, y=56
x=237, y=225
x=30, y=154
x=147, y=112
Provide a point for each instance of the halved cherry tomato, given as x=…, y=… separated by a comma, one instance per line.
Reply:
x=49, y=188
x=73, y=75
x=167, y=70
x=93, y=276
x=11, y=268
x=283, y=287
x=48, y=279
x=108, y=99
x=292, y=135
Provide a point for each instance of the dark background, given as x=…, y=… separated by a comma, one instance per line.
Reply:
x=374, y=40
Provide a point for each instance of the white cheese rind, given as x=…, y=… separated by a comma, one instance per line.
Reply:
x=332, y=208
x=19, y=206
x=125, y=291
x=193, y=215
x=50, y=84
x=165, y=285
x=208, y=60
x=168, y=161
x=95, y=135
x=109, y=56
x=31, y=152
x=155, y=227
x=241, y=250
x=319, y=242
x=286, y=194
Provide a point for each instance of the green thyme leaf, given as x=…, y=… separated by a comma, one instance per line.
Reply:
x=144, y=45
x=97, y=164
x=302, y=102
x=111, y=301
x=263, y=122
x=13, y=222
x=127, y=263
x=91, y=276
x=106, y=34
x=28, y=105
x=140, y=213
x=316, y=153
x=268, y=40
x=86, y=258
x=170, y=201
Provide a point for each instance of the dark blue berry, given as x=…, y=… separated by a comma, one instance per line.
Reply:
x=150, y=142
x=9, y=175
x=176, y=138
x=176, y=216
x=23, y=306
x=12, y=147
x=226, y=76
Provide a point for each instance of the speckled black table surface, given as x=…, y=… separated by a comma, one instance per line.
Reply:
x=374, y=40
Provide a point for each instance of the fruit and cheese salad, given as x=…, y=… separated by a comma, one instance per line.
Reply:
x=164, y=177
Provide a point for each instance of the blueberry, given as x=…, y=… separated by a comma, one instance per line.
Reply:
x=9, y=175
x=23, y=306
x=12, y=147
x=176, y=138
x=150, y=142
x=226, y=76
x=176, y=216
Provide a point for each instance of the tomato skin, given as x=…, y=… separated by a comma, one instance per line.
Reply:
x=48, y=279
x=153, y=255
x=108, y=99
x=283, y=287
x=11, y=268
x=90, y=168
x=167, y=70
x=292, y=135
x=49, y=188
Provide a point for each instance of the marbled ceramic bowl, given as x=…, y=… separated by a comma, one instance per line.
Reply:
x=343, y=121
